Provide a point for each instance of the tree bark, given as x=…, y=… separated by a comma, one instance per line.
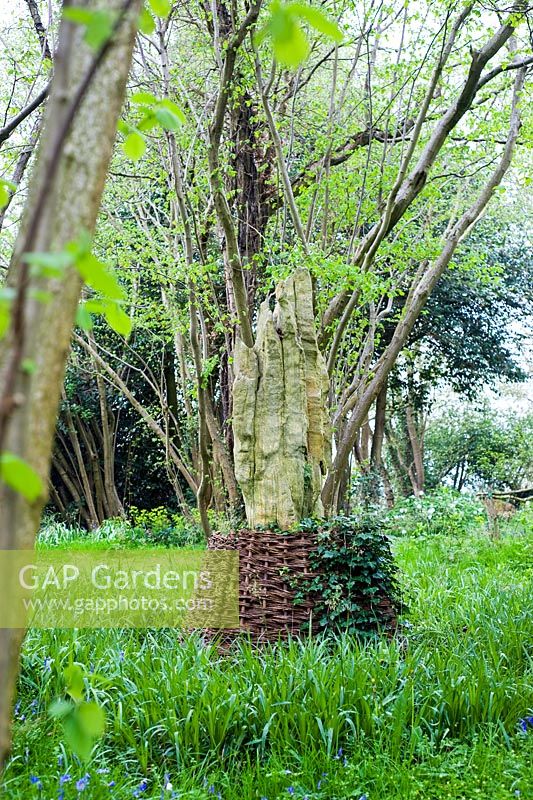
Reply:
x=85, y=102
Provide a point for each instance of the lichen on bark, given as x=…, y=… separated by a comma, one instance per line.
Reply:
x=280, y=415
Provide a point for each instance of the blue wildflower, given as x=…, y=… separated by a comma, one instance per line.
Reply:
x=82, y=784
x=47, y=664
x=142, y=787
x=36, y=782
x=291, y=790
x=525, y=724
x=111, y=784
x=65, y=779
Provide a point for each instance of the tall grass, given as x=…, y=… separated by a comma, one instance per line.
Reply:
x=460, y=677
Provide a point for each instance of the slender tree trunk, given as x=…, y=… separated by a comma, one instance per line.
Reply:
x=85, y=102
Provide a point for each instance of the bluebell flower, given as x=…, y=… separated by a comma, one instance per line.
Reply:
x=61, y=795
x=35, y=781
x=142, y=787
x=525, y=724
x=111, y=784
x=291, y=790
x=65, y=779
x=363, y=797
x=82, y=784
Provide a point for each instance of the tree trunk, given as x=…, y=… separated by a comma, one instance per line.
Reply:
x=280, y=417
x=65, y=193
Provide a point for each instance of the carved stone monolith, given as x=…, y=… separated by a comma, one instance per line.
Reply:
x=280, y=411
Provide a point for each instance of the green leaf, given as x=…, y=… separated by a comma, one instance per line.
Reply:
x=167, y=119
x=124, y=127
x=98, y=25
x=118, y=319
x=174, y=108
x=7, y=295
x=95, y=306
x=20, y=477
x=146, y=22
x=148, y=122
x=28, y=366
x=161, y=8
x=49, y=265
x=41, y=295
x=83, y=318
x=99, y=277
x=79, y=16
x=134, y=146
x=317, y=19
x=79, y=741
x=5, y=195
x=291, y=51
x=91, y=718
x=74, y=682
x=60, y=708
x=143, y=99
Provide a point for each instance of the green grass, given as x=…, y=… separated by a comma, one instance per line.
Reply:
x=433, y=715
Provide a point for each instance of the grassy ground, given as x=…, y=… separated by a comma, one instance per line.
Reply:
x=436, y=716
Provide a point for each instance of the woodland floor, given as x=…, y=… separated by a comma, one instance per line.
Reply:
x=444, y=717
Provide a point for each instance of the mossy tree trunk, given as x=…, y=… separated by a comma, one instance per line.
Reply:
x=280, y=410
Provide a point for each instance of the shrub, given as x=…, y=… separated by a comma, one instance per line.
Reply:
x=444, y=511
x=164, y=527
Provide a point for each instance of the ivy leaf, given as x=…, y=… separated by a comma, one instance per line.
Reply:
x=20, y=477
x=161, y=8
x=134, y=146
x=118, y=319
